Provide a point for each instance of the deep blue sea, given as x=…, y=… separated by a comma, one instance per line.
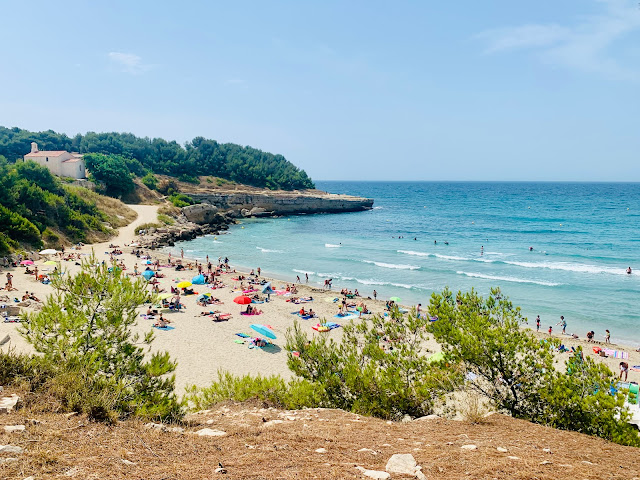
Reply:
x=584, y=236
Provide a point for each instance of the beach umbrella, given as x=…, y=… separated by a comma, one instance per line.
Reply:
x=184, y=284
x=242, y=300
x=202, y=296
x=267, y=288
x=395, y=299
x=198, y=280
x=49, y=251
x=263, y=330
x=147, y=274
x=147, y=262
x=50, y=262
x=26, y=262
x=162, y=296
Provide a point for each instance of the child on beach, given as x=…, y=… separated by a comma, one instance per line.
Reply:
x=538, y=324
x=550, y=329
x=607, y=337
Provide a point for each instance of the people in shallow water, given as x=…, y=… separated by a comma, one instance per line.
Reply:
x=629, y=270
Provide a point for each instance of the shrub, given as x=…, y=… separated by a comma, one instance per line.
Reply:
x=84, y=332
x=359, y=375
x=166, y=187
x=150, y=180
x=180, y=200
x=146, y=226
x=189, y=179
x=166, y=219
x=6, y=243
x=273, y=390
x=111, y=173
x=50, y=237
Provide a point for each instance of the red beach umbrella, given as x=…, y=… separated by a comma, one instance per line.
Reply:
x=242, y=300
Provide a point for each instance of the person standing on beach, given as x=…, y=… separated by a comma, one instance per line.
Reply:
x=624, y=368
x=550, y=329
x=298, y=279
x=607, y=337
x=9, y=281
x=538, y=323
x=562, y=322
x=375, y=295
x=306, y=278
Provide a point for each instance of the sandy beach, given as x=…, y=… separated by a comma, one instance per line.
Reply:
x=203, y=347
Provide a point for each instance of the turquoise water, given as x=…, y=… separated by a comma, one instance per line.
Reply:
x=584, y=236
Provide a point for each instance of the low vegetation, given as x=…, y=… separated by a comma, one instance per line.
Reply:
x=146, y=226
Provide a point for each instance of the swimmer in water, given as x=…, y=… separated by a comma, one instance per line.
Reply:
x=531, y=249
x=629, y=270
x=446, y=243
x=482, y=250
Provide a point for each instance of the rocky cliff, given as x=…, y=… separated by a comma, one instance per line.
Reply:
x=281, y=203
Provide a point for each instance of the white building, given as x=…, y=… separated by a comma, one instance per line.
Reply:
x=59, y=162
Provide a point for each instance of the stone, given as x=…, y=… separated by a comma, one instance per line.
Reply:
x=14, y=428
x=271, y=423
x=321, y=450
x=502, y=450
x=546, y=450
x=427, y=417
x=154, y=426
x=8, y=404
x=469, y=447
x=209, y=432
x=11, y=449
x=372, y=452
x=511, y=457
x=71, y=414
x=546, y=462
x=220, y=470
x=127, y=462
x=8, y=460
x=406, y=419
x=420, y=475
x=29, y=478
x=377, y=474
x=402, y=463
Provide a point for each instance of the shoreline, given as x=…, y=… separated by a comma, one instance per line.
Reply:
x=203, y=347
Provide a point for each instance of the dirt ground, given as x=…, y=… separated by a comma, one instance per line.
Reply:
x=264, y=443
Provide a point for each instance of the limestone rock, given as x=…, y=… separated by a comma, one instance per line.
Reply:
x=372, y=452
x=427, y=417
x=403, y=463
x=377, y=474
x=271, y=423
x=127, y=462
x=7, y=404
x=469, y=447
x=11, y=449
x=511, y=457
x=14, y=428
x=209, y=432
x=321, y=450
x=502, y=450
x=202, y=213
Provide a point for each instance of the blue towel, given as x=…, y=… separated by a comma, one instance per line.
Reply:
x=164, y=328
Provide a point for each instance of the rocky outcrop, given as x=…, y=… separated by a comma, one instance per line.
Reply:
x=282, y=203
x=183, y=229
x=202, y=214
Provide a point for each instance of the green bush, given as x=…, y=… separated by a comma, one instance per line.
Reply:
x=6, y=243
x=189, y=179
x=180, y=200
x=359, y=375
x=84, y=333
x=515, y=371
x=273, y=390
x=111, y=173
x=166, y=219
x=150, y=180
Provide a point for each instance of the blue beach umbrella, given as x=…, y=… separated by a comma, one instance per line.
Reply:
x=267, y=288
x=147, y=262
x=147, y=274
x=262, y=330
x=198, y=280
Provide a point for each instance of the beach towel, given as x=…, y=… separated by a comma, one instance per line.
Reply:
x=635, y=368
x=241, y=342
x=164, y=328
x=615, y=353
x=243, y=335
x=250, y=314
x=345, y=315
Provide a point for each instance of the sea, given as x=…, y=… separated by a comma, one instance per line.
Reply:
x=553, y=248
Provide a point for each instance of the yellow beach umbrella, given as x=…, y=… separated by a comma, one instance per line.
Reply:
x=162, y=296
x=183, y=284
x=50, y=262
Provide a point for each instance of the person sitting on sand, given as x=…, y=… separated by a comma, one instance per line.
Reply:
x=590, y=336
x=258, y=342
x=311, y=313
x=302, y=312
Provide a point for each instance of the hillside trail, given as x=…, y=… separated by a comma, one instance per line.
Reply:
x=146, y=214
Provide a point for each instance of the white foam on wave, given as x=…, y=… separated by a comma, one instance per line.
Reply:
x=571, y=267
x=304, y=271
x=377, y=282
x=331, y=245
x=507, y=279
x=391, y=265
x=435, y=255
x=266, y=250
x=377, y=208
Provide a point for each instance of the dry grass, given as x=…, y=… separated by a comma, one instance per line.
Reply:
x=143, y=195
x=73, y=447
x=472, y=407
x=119, y=215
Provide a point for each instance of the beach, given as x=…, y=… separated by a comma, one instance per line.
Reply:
x=203, y=347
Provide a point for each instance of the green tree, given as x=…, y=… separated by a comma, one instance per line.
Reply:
x=84, y=329
x=361, y=375
x=516, y=372
x=111, y=172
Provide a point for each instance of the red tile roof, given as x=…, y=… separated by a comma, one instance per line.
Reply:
x=46, y=153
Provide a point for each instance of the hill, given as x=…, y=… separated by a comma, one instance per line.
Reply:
x=200, y=156
x=37, y=208
x=267, y=443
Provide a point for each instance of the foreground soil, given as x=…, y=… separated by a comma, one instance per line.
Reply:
x=272, y=444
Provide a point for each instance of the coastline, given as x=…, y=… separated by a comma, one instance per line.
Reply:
x=203, y=347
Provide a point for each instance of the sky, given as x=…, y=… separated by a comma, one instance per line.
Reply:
x=346, y=90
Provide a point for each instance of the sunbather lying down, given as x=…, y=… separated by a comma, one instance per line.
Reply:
x=220, y=317
x=211, y=312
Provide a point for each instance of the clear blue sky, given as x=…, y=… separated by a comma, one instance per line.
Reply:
x=492, y=90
